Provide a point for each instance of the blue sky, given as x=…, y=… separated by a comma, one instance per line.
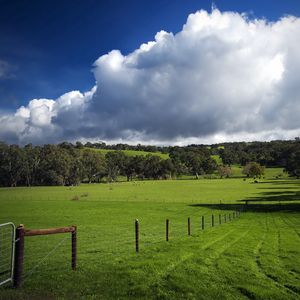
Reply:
x=48, y=48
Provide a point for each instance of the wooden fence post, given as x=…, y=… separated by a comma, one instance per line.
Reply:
x=167, y=230
x=136, y=235
x=203, y=223
x=189, y=226
x=220, y=219
x=19, y=256
x=74, y=247
x=229, y=216
x=212, y=221
x=225, y=218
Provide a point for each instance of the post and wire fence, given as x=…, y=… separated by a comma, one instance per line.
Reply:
x=14, y=263
x=22, y=233
x=7, y=248
x=231, y=217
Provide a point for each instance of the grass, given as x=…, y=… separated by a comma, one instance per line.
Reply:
x=218, y=159
x=270, y=173
x=133, y=152
x=253, y=257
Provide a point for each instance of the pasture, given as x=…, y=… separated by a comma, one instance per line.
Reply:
x=256, y=256
x=132, y=152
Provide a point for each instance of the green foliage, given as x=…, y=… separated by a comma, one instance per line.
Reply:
x=115, y=164
x=94, y=165
x=273, y=153
x=198, y=161
x=68, y=164
x=217, y=159
x=253, y=169
x=11, y=164
x=293, y=162
x=65, y=164
x=224, y=171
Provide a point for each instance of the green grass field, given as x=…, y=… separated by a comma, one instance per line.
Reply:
x=255, y=256
x=133, y=152
x=218, y=159
x=270, y=173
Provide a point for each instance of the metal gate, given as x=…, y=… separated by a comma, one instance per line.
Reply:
x=7, y=251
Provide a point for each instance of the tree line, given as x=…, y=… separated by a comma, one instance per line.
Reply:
x=71, y=164
x=284, y=154
x=270, y=154
x=66, y=164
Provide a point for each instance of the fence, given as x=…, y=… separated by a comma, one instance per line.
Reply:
x=7, y=246
x=16, y=237
x=231, y=216
x=21, y=233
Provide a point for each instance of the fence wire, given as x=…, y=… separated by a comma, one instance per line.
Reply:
x=42, y=260
x=7, y=239
x=109, y=239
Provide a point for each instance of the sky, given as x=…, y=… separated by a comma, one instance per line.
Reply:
x=151, y=72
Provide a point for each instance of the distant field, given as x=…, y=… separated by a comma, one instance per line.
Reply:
x=254, y=257
x=217, y=158
x=133, y=152
x=270, y=173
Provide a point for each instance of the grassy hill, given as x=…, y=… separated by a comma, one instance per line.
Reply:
x=270, y=173
x=218, y=159
x=133, y=152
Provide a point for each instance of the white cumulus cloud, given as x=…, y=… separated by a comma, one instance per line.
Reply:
x=222, y=77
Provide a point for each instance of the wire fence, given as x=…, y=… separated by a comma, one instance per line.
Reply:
x=7, y=239
x=45, y=255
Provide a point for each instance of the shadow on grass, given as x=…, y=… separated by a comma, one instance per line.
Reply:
x=274, y=196
x=293, y=181
x=277, y=199
x=286, y=207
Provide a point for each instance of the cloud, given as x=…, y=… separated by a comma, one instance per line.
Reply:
x=222, y=77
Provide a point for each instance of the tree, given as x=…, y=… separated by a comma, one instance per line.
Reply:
x=54, y=168
x=224, y=171
x=209, y=165
x=129, y=167
x=167, y=169
x=134, y=166
x=12, y=164
x=94, y=164
x=253, y=169
x=195, y=163
x=138, y=162
x=79, y=145
x=115, y=164
x=293, y=162
x=76, y=168
x=229, y=156
x=31, y=164
x=152, y=166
